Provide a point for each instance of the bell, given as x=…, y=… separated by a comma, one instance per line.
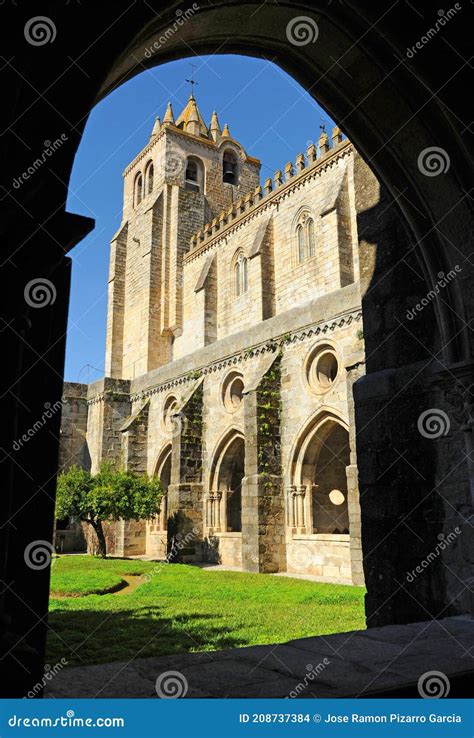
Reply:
x=228, y=170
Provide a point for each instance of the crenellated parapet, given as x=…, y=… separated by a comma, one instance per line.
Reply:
x=317, y=158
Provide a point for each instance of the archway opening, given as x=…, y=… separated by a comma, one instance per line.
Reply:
x=156, y=529
x=231, y=473
x=329, y=492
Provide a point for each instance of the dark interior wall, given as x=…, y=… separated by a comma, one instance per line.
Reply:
x=393, y=107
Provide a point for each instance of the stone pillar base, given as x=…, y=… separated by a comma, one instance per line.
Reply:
x=130, y=538
x=263, y=524
x=357, y=571
x=184, y=522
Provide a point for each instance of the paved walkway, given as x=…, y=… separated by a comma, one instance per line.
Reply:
x=385, y=661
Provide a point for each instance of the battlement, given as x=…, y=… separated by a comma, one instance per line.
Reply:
x=317, y=157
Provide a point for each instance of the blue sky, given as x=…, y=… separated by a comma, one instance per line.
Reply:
x=271, y=115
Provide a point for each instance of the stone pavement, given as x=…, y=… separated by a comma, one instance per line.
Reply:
x=386, y=661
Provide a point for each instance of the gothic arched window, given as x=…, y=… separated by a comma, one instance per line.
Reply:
x=149, y=172
x=138, y=189
x=229, y=167
x=240, y=275
x=300, y=238
x=310, y=237
x=305, y=238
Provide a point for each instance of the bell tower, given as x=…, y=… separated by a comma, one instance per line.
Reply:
x=183, y=178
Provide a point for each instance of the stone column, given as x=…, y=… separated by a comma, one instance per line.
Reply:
x=131, y=534
x=263, y=502
x=185, y=493
x=109, y=408
x=33, y=346
x=412, y=481
x=354, y=372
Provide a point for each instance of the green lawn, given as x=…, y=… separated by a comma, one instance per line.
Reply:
x=182, y=608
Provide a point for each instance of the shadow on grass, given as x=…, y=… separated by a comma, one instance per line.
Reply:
x=93, y=637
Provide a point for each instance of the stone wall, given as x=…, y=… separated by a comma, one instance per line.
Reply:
x=73, y=449
x=261, y=229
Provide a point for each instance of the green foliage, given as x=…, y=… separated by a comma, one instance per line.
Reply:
x=72, y=494
x=268, y=425
x=109, y=495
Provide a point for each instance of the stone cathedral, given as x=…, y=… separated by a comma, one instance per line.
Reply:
x=234, y=336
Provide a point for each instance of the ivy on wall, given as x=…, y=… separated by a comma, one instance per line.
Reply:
x=268, y=424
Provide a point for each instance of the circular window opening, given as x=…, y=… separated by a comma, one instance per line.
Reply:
x=336, y=496
x=321, y=368
x=232, y=391
x=326, y=369
x=169, y=409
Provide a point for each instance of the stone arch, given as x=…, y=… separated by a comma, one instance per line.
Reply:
x=318, y=488
x=149, y=174
x=163, y=471
x=137, y=189
x=195, y=174
x=230, y=166
x=319, y=423
x=303, y=235
x=397, y=116
x=371, y=131
x=239, y=273
x=227, y=473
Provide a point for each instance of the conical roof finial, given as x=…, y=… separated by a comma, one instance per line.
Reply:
x=226, y=132
x=214, y=126
x=156, y=127
x=190, y=119
x=169, y=116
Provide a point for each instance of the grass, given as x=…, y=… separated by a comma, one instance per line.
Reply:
x=183, y=608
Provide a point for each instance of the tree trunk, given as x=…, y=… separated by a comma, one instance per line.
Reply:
x=99, y=531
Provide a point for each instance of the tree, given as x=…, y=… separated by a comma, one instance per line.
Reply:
x=106, y=496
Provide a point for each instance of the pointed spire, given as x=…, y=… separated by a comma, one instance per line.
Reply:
x=214, y=126
x=190, y=119
x=169, y=117
x=191, y=122
x=226, y=132
x=156, y=127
